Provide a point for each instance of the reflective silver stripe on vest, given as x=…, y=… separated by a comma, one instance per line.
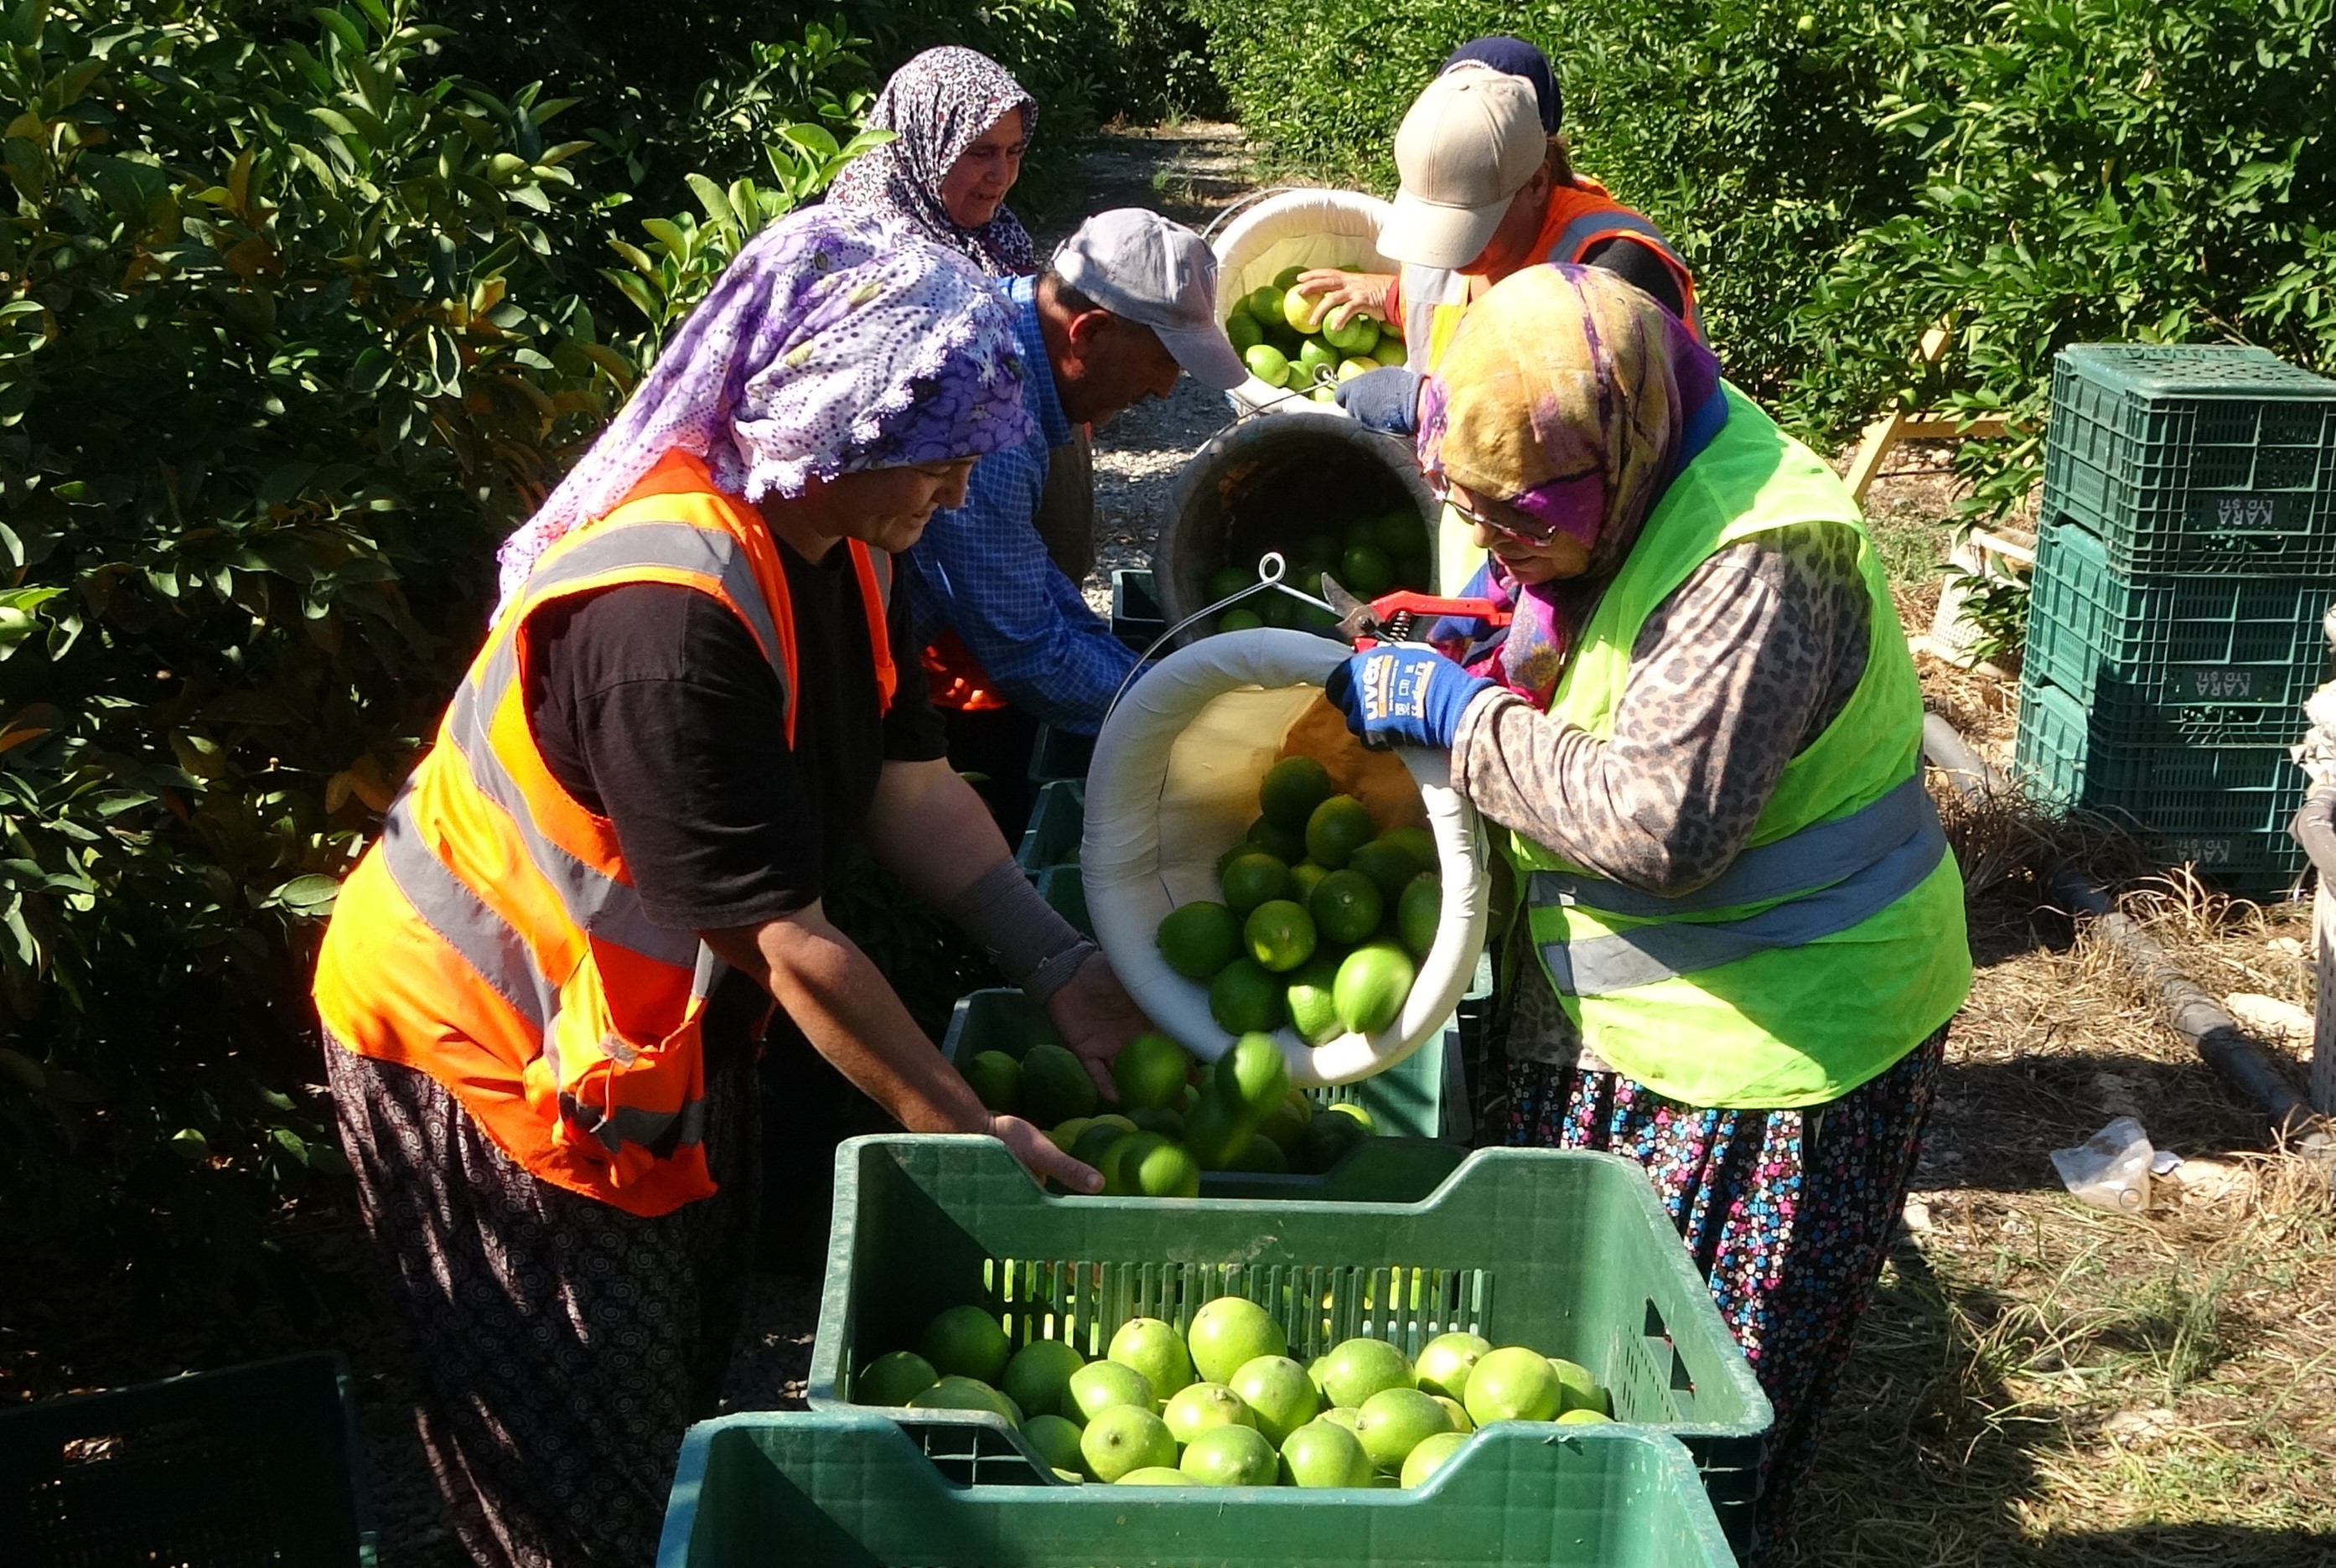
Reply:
x=1817, y=856
x=882, y=564
x=608, y=910
x=1567, y=246
x=675, y=545
x=1625, y=960
x=486, y=941
x=631, y=1124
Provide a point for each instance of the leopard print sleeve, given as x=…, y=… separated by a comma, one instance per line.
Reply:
x=1731, y=676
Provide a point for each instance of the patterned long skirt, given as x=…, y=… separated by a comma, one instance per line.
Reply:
x=1788, y=1214
x=562, y=1344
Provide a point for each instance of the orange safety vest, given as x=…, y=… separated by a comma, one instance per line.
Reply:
x=492, y=937
x=1581, y=217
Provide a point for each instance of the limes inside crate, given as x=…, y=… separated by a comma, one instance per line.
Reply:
x=1174, y=1117
x=1224, y=1405
x=1324, y=918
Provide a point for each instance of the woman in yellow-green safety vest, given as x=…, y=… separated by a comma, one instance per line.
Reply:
x=1741, y=935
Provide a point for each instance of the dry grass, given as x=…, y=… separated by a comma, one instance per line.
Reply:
x=2038, y=1382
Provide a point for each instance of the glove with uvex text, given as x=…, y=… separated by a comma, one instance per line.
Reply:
x=1403, y=693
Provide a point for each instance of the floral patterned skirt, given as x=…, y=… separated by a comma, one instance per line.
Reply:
x=1788, y=1214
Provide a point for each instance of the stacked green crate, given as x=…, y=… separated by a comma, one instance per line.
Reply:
x=2185, y=558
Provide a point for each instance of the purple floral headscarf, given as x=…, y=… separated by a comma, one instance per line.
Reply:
x=937, y=106
x=1576, y=399
x=833, y=343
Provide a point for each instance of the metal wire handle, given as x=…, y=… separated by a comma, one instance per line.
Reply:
x=1270, y=569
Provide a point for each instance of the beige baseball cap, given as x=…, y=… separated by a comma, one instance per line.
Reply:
x=1137, y=264
x=1471, y=141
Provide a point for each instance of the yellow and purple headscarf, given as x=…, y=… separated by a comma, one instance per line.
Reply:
x=1575, y=398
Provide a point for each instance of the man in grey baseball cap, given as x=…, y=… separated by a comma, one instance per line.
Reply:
x=1126, y=305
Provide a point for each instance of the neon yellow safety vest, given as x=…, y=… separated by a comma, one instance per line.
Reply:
x=1835, y=942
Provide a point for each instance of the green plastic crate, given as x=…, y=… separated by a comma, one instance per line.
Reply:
x=257, y=1464
x=1058, y=820
x=2187, y=457
x=1136, y=619
x=2174, y=656
x=848, y=1487
x=2223, y=808
x=1406, y=1101
x=1057, y=753
x=1563, y=1250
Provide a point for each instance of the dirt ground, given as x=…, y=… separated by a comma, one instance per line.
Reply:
x=2036, y=1382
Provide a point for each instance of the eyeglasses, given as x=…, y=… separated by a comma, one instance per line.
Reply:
x=1536, y=535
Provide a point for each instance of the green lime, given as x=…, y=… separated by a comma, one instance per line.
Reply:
x=1313, y=1011
x=1328, y=1140
x=1242, y=330
x=1284, y=845
x=1226, y=581
x=1346, y=906
x=1264, y=303
x=1262, y=1155
x=1252, y=879
x=1244, y=997
x=1167, y=1170
x=1357, y=1112
x=1417, y=914
x=1336, y=828
x=1287, y=278
x=1268, y=363
x=1358, y=333
x=1419, y=844
x=1056, y=1086
x=997, y=1079
x=1215, y=1131
x=1118, y=1181
x=1368, y=571
x=1304, y=878
x=966, y=1342
x=1150, y=1069
x=1389, y=865
x=1291, y=789
x=1280, y=934
x=1317, y=359
x=1390, y=351
x=1372, y=984
x=1199, y=938
x=1239, y=620
x=1304, y=312
x=1256, y=1077
x=1169, y=1125
x=1403, y=534
x=1100, y=1135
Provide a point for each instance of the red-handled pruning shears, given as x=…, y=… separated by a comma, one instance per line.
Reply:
x=1391, y=616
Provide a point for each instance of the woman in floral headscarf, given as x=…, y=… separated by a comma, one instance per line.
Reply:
x=600, y=895
x=1741, y=936
x=959, y=127
x=960, y=124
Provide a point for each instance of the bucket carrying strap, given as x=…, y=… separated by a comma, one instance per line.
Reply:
x=1832, y=875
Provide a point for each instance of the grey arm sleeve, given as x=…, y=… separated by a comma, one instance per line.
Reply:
x=1733, y=674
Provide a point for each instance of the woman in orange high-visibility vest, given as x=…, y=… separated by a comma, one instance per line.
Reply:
x=547, y=984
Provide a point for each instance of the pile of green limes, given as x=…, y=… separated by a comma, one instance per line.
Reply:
x=1287, y=339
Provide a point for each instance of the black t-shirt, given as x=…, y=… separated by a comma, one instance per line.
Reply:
x=655, y=707
x=1635, y=262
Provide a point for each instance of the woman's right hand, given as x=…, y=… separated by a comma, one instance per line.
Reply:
x=1349, y=293
x=1041, y=1158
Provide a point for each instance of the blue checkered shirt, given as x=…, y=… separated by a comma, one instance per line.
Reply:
x=983, y=572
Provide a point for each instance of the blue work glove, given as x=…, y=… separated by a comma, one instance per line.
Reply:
x=1384, y=399
x=1404, y=694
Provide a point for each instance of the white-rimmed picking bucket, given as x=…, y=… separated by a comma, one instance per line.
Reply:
x=1294, y=228
x=1174, y=783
